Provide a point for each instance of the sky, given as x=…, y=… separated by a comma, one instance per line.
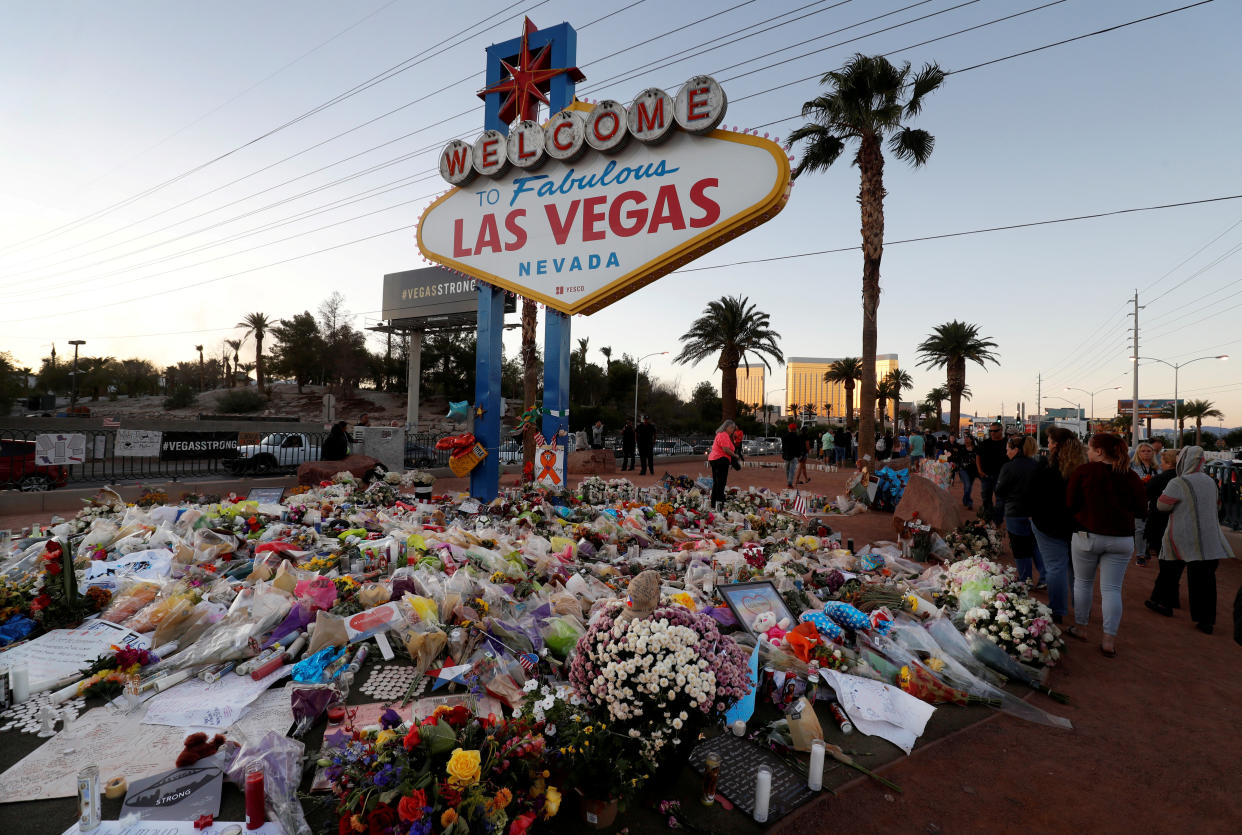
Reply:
x=153, y=190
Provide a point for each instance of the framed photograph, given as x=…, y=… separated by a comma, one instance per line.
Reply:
x=749, y=600
x=266, y=495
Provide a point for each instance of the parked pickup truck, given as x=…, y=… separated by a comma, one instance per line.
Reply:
x=279, y=450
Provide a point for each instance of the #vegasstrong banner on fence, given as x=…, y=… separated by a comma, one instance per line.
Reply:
x=184, y=446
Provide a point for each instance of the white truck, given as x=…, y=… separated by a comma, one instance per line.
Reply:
x=279, y=450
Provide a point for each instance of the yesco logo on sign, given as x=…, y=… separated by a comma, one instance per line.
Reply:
x=576, y=215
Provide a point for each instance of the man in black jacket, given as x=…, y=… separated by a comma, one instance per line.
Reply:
x=627, y=445
x=645, y=435
x=792, y=447
x=989, y=458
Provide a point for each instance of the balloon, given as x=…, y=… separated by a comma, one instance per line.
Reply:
x=457, y=411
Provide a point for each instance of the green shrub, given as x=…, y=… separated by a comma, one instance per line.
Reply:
x=241, y=401
x=182, y=397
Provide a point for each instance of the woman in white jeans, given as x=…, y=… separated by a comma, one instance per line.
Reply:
x=1105, y=497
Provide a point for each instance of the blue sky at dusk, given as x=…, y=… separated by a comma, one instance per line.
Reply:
x=99, y=103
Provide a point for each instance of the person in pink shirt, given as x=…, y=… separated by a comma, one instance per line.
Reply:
x=722, y=456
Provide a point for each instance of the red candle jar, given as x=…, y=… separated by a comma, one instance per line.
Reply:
x=255, y=815
x=336, y=714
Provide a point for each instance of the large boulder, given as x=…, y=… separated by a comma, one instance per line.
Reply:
x=592, y=462
x=313, y=472
x=934, y=506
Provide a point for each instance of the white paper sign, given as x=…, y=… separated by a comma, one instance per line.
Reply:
x=550, y=466
x=879, y=709
x=145, y=565
x=171, y=828
x=64, y=652
x=60, y=450
x=137, y=443
x=218, y=705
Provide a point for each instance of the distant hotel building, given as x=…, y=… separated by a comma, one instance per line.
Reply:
x=750, y=381
x=804, y=383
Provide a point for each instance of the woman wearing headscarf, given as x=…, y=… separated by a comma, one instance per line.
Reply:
x=1051, y=521
x=1192, y=541
x=720, y=459
x=1105, y=497
x=336, y=445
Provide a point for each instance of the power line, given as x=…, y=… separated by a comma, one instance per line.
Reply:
x=365, y=85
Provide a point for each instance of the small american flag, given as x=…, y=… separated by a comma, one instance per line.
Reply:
x=528, y=660
x=111, y=423
x=798, y=505
x=540, y=440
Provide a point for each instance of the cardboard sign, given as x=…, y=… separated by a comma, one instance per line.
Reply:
x=550, y=466
x=59, y=450
x=64, y=652
x=136, y=443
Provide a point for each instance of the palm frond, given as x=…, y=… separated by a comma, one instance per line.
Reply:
x=912, y=145
x=927, y=80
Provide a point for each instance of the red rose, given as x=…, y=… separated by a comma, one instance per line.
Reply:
x=381, y=820
x=458, y=716
x=345, y=827
x=411, y=808
x=53, y=566
x=521, y=823
x=413, y=738
x=449, y=794
x=40, y=603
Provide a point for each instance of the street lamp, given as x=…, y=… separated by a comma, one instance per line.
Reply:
x=1176, y=366
x=637, y=376
x=765, y=409
x=1093, y=394
x=73, y=397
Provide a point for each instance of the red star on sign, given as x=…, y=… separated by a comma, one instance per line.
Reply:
x=528, y=81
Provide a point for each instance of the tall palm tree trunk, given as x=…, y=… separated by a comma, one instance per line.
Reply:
x=1198, y=431
x=258, y=360
x=849, y=405
x=871, y=200
x=956, y=383
x=728, y=384
x=530, y=379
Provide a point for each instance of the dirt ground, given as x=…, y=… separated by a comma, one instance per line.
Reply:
x=1157, y=730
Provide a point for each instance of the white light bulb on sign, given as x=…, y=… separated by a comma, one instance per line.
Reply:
x=489, y=154
x=565, y=136
x=457, y=163
x=607, y=129
x=651, y=117
x=524, y=146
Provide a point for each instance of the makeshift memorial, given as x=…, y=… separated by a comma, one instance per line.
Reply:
x=748, y=601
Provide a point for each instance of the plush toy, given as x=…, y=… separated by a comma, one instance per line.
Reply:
x=846, y=615
x=644, y=593
x=769, y=629
x=197, y=747
x=824, y=625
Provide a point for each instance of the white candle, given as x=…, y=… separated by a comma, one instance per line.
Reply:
x=739, y=727
x=19, y=681
x=815, y=770
x=763, y=791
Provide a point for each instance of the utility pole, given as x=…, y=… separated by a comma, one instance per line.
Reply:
x=1134, y=419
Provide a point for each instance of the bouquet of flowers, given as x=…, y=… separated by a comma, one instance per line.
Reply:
x=1018, y=624
x=965, y=580
x=452, y=773
x=974, y=539
x=920, y=535
x=656, y=676
x=593, y=490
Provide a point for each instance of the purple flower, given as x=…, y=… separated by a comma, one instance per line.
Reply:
x=390, y=719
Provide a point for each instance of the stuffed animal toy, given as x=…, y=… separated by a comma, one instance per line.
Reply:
x=197, y=747
x=644, y=596
x=769, y=629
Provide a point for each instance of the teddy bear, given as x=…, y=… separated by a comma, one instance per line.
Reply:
x=644, y=594
x=769, y=629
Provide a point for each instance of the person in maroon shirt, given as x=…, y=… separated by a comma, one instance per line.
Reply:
x=1105, y=497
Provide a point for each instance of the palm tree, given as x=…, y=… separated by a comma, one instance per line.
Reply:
x=257, y=324
x=868, y=100
x=890, y=388
x=846, y=371
x=949, y=346
x=607, y=352
x=933, y=400
x=235, y=344
x=906, y=417
x=199, y=348
x=1199, y=409
x=733, y=328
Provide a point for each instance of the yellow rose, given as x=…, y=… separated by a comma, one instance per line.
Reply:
x=384, y=737
x=553, y=803
x=464, y=767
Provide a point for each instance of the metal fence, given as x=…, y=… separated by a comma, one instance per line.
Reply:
x=1228, y=476
x=267, y=453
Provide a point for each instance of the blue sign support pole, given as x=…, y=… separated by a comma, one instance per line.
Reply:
x=556, y=378
x=485, y=478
